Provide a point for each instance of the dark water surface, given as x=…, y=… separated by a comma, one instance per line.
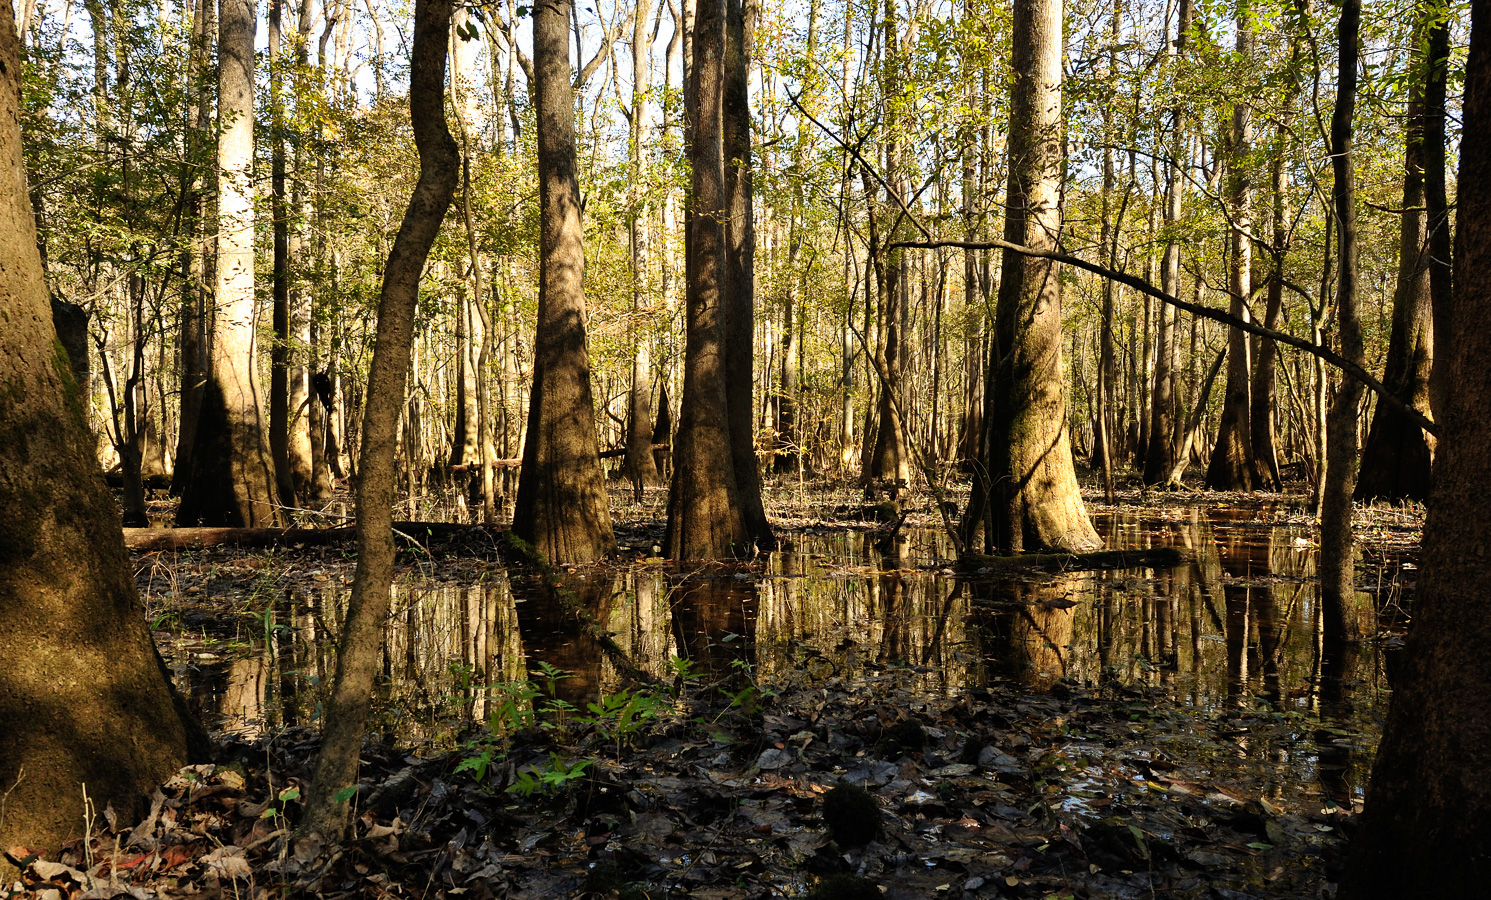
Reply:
x=1232, y=634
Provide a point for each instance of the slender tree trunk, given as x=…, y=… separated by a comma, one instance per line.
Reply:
x=1232, y=467
x=362, y=633
x=561, y=505
x=1261, y=411
x=1441, y=288
x=194, y=258
x=1031, y=484
x=279, y=350
x=1337, y=564
x=232, y=480
x=1426, y=829
x=83, y=694
x=638, y=464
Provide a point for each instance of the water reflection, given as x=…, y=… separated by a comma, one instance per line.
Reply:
x=1236, y=628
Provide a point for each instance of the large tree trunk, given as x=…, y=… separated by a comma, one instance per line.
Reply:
x=1396, y=457
x=1426, y=830
x=704, y=514
x=738, y=287
x=84, y=697
x=232, y=481
x=561, y=506
x=1337, y=565
x=1029, y=499
x=362, y=634
x=1232, y=466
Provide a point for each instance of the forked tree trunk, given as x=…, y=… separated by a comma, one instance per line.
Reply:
x=1426, y=830
x=704, y=513
x=439, y=169
x=1029, y=499
x=232, y=480
x=561, y=506
x=83, y=694
x=1337, y=564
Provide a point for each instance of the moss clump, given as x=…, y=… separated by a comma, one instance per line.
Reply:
x=845, y=887
x=852, y=815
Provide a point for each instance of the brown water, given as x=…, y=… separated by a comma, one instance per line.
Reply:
x=1233, y=634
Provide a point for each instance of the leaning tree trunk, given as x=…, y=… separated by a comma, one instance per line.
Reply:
x=84, y=698
x=1031, y=485
x=362, y=633
x=232, y=481
x=561, y=504
x=1337, y=567
x=1426, y=830
x=704, y=514
x=1396, y=457
x=1232, y=467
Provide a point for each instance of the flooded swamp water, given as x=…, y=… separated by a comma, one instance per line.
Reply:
x=1208, y=684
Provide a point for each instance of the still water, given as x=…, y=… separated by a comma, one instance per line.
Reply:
x=1233, y=631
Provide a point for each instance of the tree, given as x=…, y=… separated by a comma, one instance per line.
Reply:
x=1027, y=496
x=232, y=479
x=705, y=520
x=561, y=505
x=346, y=714
x=1426, y=829
x=1232, y=466
x=1396, y=457
x=85, y=698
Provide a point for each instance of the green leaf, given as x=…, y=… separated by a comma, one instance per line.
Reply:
x=345, y=794
x=1259, y=845
x=290, y=793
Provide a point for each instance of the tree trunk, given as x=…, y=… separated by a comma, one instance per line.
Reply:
x=561, y=506
x=439, y=169
x=1232, y=465
x=1337, y=566
x=279, y=350
x=232, y=480
x=1426, y=830
x=1261, y=410
x=83, y=694
x=738, y=287
x=704, y=513
x=1033, y=500
x=638, y=464
x=1396, y=457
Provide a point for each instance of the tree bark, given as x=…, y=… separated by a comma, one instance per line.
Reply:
x=1031, y=488
x=561, y=505
x=1396, y=456
x=1232, y=464
x=1337, y=564
x=439, y=169
x=1426, y=829
x=279, y=351
x=704, y=513
x=83, y=694
x=232, y=480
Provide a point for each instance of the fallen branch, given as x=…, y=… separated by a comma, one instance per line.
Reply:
x=156, y=539
x=1153, y=558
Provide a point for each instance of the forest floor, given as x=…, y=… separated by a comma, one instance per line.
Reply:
x=713, y=785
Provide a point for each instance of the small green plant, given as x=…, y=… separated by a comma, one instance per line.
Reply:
x=621, y=717
x=547, y=778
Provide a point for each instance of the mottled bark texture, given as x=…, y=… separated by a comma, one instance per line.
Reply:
x=561, y=505
x=232, y=481
x=1426, y=831
x=1337, y=564
x=346, y=713
x=1396, y=457
x=1029, y=497
x=84, y=699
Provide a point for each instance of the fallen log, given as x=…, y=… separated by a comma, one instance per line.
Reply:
x=156, y=539
x=1152, y=558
